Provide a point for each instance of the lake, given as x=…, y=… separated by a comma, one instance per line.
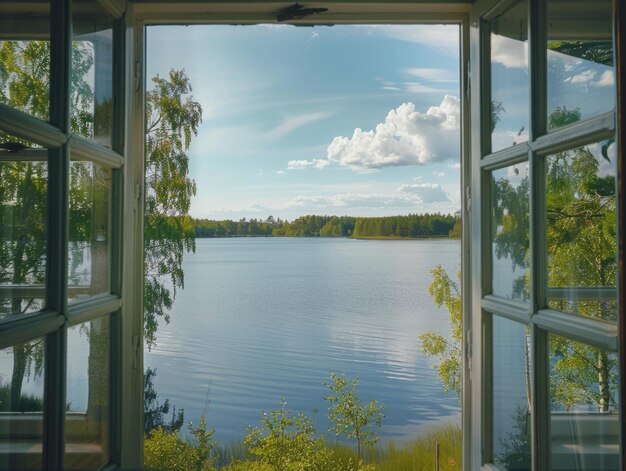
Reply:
x=262, y=319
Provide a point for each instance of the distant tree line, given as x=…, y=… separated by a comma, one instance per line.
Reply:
x=411, y=226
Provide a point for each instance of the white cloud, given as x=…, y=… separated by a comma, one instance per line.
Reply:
x=292, y=123
x=416, y=87
x=302, y=164
x=432, y=75
x=426, y=192
x=508, y=52
x=280, y=172
x=585, y=76
x=406, y=137
x=390, y=88
x=439, y=174
x=607, y=79
x=353, y=200
x=456, y=165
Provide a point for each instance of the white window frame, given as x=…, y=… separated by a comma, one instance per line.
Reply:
x=340, y=12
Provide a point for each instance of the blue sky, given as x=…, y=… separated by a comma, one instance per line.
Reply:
x=354, y=120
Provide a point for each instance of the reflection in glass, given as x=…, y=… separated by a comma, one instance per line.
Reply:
x=510, y=90
x=509, y=202
x=92, y=74
x=88, y=379
x=581, y=231
x=511, y=394
x=88, y=267
x=581, y=75
x=25, y=57
x=21, y=406
x=23, y=206
x=584, y=418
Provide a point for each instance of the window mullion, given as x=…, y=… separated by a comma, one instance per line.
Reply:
x=539, y=351
x=58, y=202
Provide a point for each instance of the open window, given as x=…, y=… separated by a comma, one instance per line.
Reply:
x=544, y=170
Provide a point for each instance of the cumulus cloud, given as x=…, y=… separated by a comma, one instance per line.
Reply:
x=302, y=164
x=455, y=165
x=426, y=192
x=509, y=52
x=593, y=78
x=439, y=174
x=607, y=79
x=406, y=137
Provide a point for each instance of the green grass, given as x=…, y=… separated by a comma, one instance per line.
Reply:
x=418, y=454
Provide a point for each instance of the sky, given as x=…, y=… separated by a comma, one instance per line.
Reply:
x=342, y=120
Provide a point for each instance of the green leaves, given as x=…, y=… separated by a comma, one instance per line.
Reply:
x=172, y=119
x=351, y=417
x=445, y=292
x=286, y=441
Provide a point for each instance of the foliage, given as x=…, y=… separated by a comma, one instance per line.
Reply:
x=167, y=451
x=351, y=417
x=172, y=119
x=26, y=402
x=581, y=250
x=286, y=441
x=249, y=466
x=446, y=292
x=515, y=446
x=154, y=411
x=24, y=85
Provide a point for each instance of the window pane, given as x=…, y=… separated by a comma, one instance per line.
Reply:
x=510, y=199
x=581, y=231
x=511, y=394
x=581, y=74
x=92, y=74
x=25, y=57
x=21, y=406
x=584, y=418
x=90, y=191
x=88, y=379
x=510, y=91
x=23, y=206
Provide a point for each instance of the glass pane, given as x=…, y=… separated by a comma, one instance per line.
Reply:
x=90, y=191
x=21, y=406
x=584, y=418
x=510, y=90
x=25, y=57
x=511, y=394
x=88, y=379
x=510, y=200
x=23, y=207
x=92, y=73
x=581, y=231
x=581, y=75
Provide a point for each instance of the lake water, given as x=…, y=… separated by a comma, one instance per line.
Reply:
x=265, y=318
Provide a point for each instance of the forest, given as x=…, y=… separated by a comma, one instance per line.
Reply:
x=412, y=226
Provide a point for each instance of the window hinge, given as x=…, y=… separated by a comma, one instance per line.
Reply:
x=468, y=198
x=468, y=351
x=135, y=351
x=468, y=81
x=137, y=74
